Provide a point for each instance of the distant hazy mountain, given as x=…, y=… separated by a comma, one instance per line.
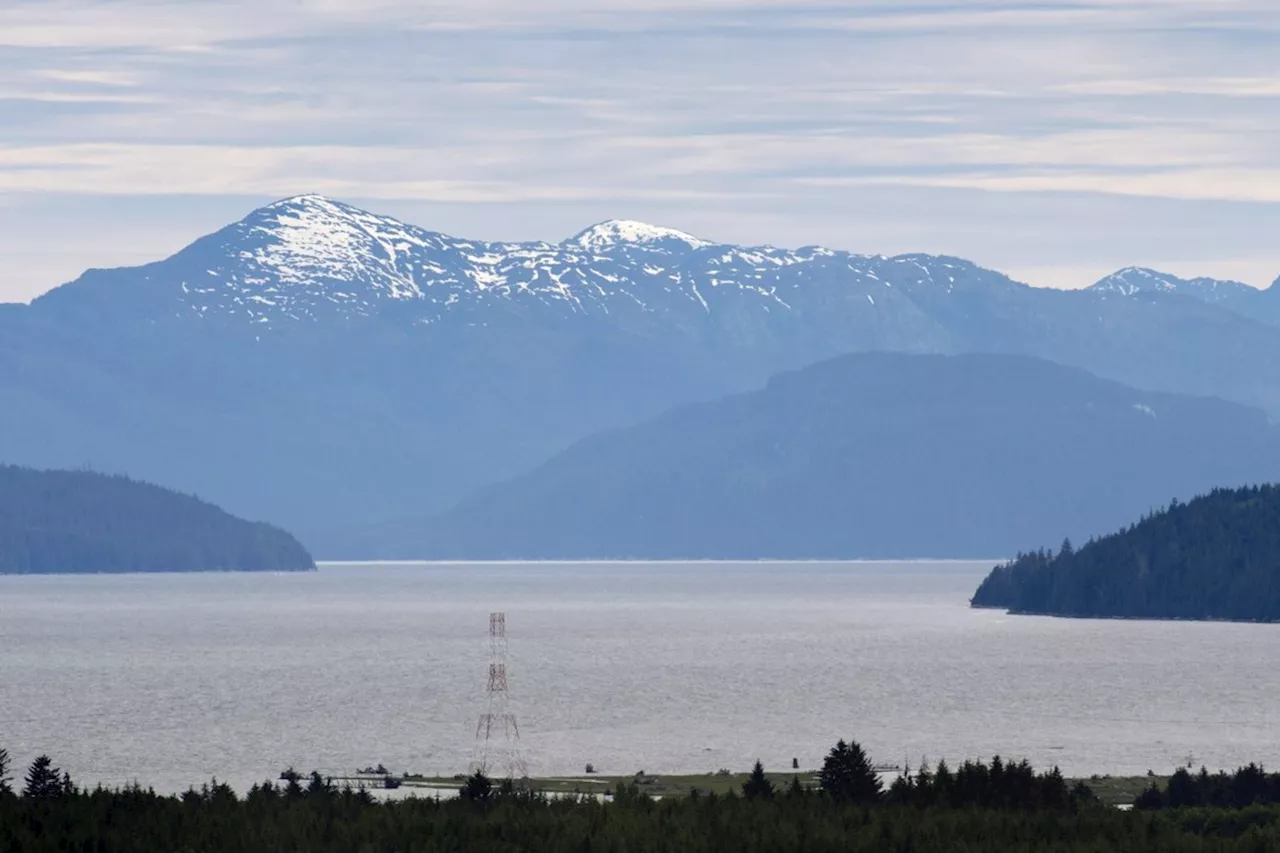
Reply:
x=81, y=522
x=1246, y=300
x=878, y=455
x=331, y=369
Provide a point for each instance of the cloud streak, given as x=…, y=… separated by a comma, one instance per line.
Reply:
x=721, y=112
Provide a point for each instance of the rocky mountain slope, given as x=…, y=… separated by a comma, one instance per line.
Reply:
x=331, y=369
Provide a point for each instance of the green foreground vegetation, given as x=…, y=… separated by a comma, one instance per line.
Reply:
x=996, y=806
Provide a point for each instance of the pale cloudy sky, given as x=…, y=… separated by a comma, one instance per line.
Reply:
x=1055, y=141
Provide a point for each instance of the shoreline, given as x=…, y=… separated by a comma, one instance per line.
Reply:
x=1117, y=791
x=640, y=561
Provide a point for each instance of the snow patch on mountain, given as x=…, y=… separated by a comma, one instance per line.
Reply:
x=614, y=232
x=1131, y=281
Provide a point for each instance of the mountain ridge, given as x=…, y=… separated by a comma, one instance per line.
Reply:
x=298, y=258
x=1262, y=304
x=1130, y=280
x=327, y=367
x=321, y=221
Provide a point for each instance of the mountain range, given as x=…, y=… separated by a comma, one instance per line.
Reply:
x=343, y=373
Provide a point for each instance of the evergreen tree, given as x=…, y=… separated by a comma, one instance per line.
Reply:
x=293, y=783
x=44, y=781
x=847, y=775
x=1082, y=794
x=1150, y=799
x=757, y=784
x=5, y=787
x=318, y=785
x=903, y=790
x=477, y=789
x=1183, y=790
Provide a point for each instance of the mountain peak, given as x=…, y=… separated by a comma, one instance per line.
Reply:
x=309, y=206
x=613, y=232
x=285, y=257
x=302, y=198
x=1130, y=280
x=1133, y=280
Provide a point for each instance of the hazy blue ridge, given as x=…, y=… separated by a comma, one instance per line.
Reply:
x=337, y=371
x=1215, y=557
x=870, y=455
x=78, y=522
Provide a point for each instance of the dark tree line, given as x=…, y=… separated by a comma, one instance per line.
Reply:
x=1248, y=786
x=979, y=808
x=989, y=786
x=79, y=521
x=1216, y=557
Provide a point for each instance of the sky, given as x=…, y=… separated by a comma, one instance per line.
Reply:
x=1054, y=141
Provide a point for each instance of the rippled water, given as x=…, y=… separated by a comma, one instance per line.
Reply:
x=173, y=679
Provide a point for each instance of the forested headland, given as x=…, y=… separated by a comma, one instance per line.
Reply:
x=80, y=522
x=1215, y=557
x=978, y=807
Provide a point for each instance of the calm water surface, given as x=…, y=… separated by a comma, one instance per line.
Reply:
x=173, y=679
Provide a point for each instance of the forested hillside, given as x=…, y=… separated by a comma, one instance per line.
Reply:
x=78, y=521
x=1216, y=557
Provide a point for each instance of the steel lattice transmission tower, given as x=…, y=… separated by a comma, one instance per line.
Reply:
x=497, y=734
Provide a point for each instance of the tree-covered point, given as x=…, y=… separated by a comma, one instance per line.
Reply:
x=80, y=521
x=1216, y=557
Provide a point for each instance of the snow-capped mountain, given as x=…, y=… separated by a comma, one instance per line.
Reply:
x=1248, y=301
x=309, y=258
x=1133, y=280
x=327, y=368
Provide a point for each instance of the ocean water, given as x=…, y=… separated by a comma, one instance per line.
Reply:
x=170, y=680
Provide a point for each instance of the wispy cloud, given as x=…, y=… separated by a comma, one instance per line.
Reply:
x=1192, y=184
x=1233, y=87
x=90, y=77
x=721, y=112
